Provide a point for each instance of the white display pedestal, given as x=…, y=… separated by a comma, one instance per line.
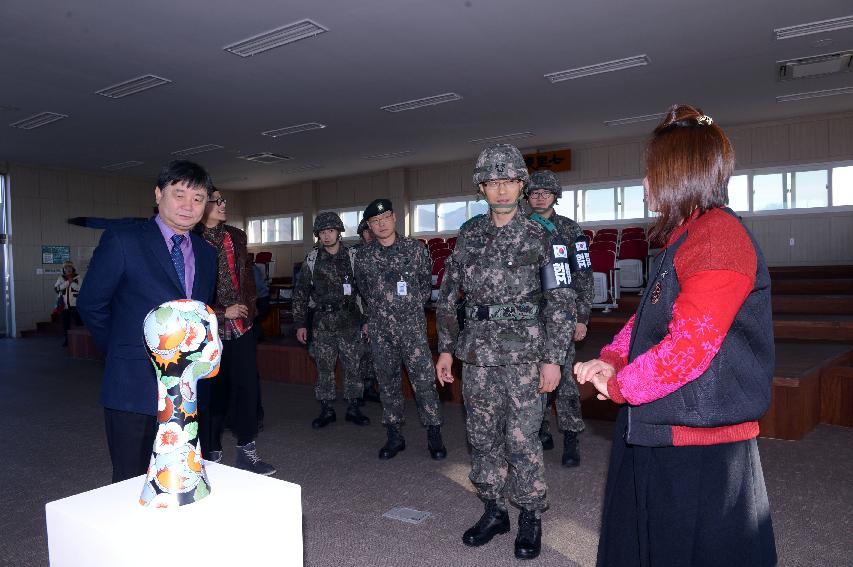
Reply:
x=247, y=519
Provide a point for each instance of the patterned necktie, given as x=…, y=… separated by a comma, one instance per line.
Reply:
x=178, y=259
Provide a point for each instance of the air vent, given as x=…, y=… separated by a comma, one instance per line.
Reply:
x=300, y=169
x=294, y=129
x=391, y=155
x=196, y=150
x=814, y=94
x=598, y=68
x=133, y=86
x=122, y=165
x=634, y=119
x=421, y=102
x=276, y=38
x=502, y=138
x=266, y=158
x=814, y=27
x=38, y=120
x=816, y=66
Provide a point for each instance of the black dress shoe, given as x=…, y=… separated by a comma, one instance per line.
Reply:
x=435, y=444
x=528, y=542
x=354, y=414
x=546, y=439
x=327, y=416
x=571, y=453
x=494, y=521
x=394, y=445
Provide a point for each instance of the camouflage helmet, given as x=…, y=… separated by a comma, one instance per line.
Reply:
x=362, y=226
x=328, y=220
x=501, y=161
x=546, y=180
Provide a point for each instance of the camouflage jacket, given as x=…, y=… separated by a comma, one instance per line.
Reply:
x=500, y=265
x=581, y=279
x=378, y=273
x=325, y=285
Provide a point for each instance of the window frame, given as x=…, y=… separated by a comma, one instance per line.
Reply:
x=436, y=201
x=261, y=219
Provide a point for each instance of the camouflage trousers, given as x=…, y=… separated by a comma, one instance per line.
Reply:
x=325, y=348
x=504, y=410
x=408, y=347
x=567, y=399
x=366, y=371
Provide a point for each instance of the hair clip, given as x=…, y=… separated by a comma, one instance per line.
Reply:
x=704, y=120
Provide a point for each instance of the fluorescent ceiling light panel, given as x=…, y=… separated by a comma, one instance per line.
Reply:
x=38, y=120
x=501, y=138
x=635, y=119
x=421, y=102
x=276, y=38
x=133, y=86
x=266, y=158
x=814, y=27
x=122, y=165
x=816, y=66
x=390, y=155
x=814, y=94
x=294, y=129
x=598, y=68
x=197, y=150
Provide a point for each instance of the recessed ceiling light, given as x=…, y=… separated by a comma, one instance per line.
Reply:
x=814, y=94
x=38, y=120
x=122, y=165
x=196, y=150
x=598, y=68
x=502, y=138
x=276, y=38
x=814, y=27
x=421, y=102
x=294, y=129
x=133, y=86
x=635, y=119
x=390, y=155
x=266, y=158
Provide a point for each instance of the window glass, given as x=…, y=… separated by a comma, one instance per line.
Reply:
x=297, y=227
x=767, y=192
x=477, y=208
x=451, y=215
x=254, y=231
x=842, y=185
x=739, y=192
x=350, y=219
x=598, y=204
x=632, y=202
x=810, y=189
x=424, y=217
x=566, y=204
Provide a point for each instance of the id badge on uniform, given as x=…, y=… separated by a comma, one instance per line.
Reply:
x=347, y=289
x=401, y=288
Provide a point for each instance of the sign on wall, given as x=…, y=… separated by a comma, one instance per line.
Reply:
x=556, y=160
x=55, y=254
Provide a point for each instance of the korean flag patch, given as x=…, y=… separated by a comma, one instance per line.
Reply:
x=560, y=251
x=580, y=246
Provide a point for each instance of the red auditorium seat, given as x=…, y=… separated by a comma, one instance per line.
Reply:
x=451, y=242
x=605, y=237
x=632, y=236
x=633, y=264
x=604, y=279
x=605, y=245
x=589, y=233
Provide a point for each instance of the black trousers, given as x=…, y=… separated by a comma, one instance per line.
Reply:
x=233, y=392
x=130, y=438
x=692, y=506
x=69, y=314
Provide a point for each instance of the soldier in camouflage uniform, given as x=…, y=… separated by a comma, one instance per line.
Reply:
x=326, y=286
x=365, y=366
x=515, y=336
x=394, y=274
x=542, y=193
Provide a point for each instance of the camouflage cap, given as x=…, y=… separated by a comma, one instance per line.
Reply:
x=328, y=220
x=544, y=179
x=501, y=161
x=377, y=207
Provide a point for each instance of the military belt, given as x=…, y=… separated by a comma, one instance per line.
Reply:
x=503, y=311
x=327, y=307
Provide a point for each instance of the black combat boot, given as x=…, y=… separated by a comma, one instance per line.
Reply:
x=545, y=437
x=571, y=454
x=528, y=542
x=354, y=414
x=434, y=443
x=394, y=445
x=327, y=415
x=494, y=521
x=370, y=394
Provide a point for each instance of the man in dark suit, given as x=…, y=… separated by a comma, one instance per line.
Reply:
x=134, y=269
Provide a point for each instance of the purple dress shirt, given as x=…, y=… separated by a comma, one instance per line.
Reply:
x=186, y=250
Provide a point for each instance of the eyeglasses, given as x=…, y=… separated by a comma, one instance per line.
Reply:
x=376, y=221
x=219, y=202
x=540, y=194
x=498, y=183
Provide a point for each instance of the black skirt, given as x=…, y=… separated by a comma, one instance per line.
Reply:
x=685, y=506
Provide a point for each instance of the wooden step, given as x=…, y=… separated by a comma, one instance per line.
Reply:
x=813, y=327
x=809, y=272
x=813, y=286
x=813, y=304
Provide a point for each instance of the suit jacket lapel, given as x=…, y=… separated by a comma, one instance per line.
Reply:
x=160, y=252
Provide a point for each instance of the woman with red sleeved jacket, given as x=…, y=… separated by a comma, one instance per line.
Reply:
x=692, y=370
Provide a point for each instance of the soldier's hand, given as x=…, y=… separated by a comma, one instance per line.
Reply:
x=580, y=332
x=364, y=332
x=598, y=373
x=302, y=335
x=442, y=368
x=549, y=377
